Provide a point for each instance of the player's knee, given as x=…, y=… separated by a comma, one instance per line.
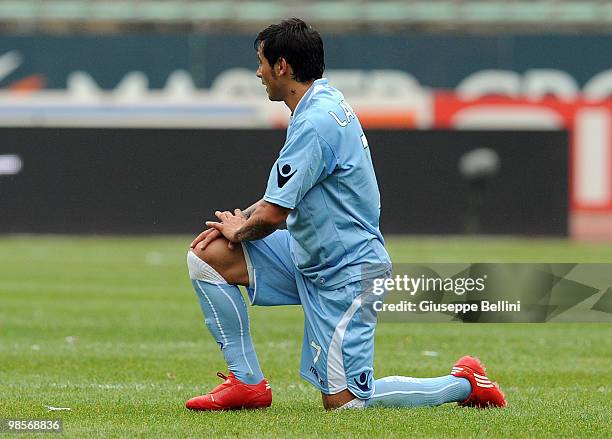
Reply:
x=217, y=264
x=328, y=403
x=213, y=254
x=335, y=401
x=200, y=269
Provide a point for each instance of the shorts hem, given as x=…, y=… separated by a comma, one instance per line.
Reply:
x=360, y=394
x=354, y=392
x=252, y=287
x=315, y=383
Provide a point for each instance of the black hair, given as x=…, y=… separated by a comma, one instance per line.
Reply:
x=298, y=43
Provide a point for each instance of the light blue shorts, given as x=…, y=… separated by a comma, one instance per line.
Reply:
x=338, y=344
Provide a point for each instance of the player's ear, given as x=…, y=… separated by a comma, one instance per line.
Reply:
x=282, y=65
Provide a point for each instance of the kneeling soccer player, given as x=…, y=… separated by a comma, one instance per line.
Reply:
x=323, y=185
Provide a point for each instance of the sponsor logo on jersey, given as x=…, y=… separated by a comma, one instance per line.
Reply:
x=284, y=174
x=363, y=382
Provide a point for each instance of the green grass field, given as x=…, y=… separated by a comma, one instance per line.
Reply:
x=111, y=328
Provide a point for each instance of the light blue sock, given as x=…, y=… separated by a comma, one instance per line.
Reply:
x=398, y=391
x=226, y=316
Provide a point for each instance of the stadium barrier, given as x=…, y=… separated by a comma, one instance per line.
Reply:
x=502, y=82
x=131, y=181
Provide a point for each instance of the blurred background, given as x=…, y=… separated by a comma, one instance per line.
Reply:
x=483, y=117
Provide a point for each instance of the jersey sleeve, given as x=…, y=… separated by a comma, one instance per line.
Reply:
x=301, y=164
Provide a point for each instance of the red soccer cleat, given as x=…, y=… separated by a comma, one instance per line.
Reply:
x=484, y=392
x=232, y=394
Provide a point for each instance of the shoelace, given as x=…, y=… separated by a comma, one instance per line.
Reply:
x=220, y=375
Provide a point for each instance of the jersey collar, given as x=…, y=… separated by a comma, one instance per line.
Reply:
x=314, y=88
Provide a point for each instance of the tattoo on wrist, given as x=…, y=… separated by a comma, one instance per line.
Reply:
x=250, y=211
x=247, y=213
x=255, y=231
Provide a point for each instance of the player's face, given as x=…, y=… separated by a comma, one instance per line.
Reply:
x=268, y=77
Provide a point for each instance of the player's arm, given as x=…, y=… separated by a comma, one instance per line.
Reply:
x=249, y=210
x=210, y=234
x=263, y=219
x=256, y=222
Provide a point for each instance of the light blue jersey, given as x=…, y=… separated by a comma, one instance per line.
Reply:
x=324, y=173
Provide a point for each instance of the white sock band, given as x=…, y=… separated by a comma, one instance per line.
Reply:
x=353, y=404
x=200, y=270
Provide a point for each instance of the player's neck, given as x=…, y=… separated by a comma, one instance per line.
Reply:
x=295, y=92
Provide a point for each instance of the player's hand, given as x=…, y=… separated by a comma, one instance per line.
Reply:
x=205, y=238
x=229, y=225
